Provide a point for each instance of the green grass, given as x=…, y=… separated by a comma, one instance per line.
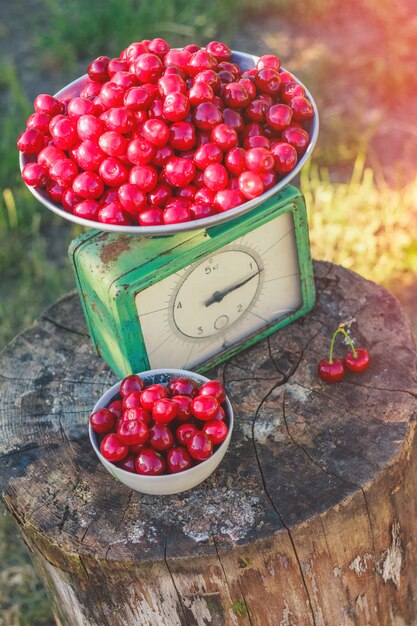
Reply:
x=364, y=226
x=83, y=30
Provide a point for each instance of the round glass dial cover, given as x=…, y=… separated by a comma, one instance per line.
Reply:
x=226, y=284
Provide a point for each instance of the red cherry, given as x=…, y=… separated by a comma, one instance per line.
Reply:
x=285, y=157
x=200, y=92
x=156, y=132
x=279, y=116
x=134, y=50
x=88, y=185
x=176, y=107
x=204, y=407
x=235, y=96
x=331, y=372
x=79, y=106
x=207, y=115
x=256, y=141
x=215, y=389
x=204, y=195
x=97, y=70
x=113, y=449
x=219, y=50
x=136, y=413
x=227, y=199
x=249, y=85
x=183, y=387
x=227, y=66
x=151, y=217
x=63, y=172
x=268, y=80
x=184, y=407
x=69, y=199
x=181, y=137
x=216, y=431
x=112, y=95
x=87, y=209
x=31, y=141
x=268, y=60
x=215, y=176
x=132, y=399
x=184, y=432
x=178, y=460
x=44, y=103
x=112, y=171
x=224, y=136
x=164, y=410
x=132, y=198
x=302, y=109
x=130, y=383
x=269, y=179
x=112, y=213
x=132, y=431
x=220, y=415
x=177, y=58
x=102, y=421
x=259, y=160
x=200, y=446
x=357, y=363
x=158, y=46
x=149, y=462
x=290, y=90
x=152, y=394
x=40, y=121
x=163, y=153
x=233, y=119
x=171, y=83
x=176, y=211
x=91, y=89
x=160, y=437
x=179, y=172
x=250, y=185
x=143, y=176
x=148, y=68
x=137, y=99
x=296, y=137
x=123, y=78
x=116, y=407
x=128, y=463
x=201, y=60
x=89, y=127
x=64, y=133
x=198, y=210
x=34, y=174
x=89, y=155
x=235, y=161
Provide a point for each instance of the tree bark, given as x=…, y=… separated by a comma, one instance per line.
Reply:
x=310, y=520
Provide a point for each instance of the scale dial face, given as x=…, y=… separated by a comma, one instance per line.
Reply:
x=236, y=291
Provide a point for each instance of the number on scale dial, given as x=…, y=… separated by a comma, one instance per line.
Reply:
x=237, y=290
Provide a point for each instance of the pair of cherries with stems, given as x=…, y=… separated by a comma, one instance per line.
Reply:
x=356, y=360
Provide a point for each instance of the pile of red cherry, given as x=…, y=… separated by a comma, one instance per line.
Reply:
x=161, y=429
x=162, y=136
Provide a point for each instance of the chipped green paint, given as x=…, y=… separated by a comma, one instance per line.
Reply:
x=110, y=269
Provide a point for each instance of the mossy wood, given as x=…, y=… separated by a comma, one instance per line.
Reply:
x=309, y=520
x=110, y=269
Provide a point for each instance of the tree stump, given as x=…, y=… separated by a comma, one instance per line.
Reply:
x=310, y=520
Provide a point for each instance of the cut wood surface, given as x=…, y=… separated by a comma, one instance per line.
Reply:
x=310, y=520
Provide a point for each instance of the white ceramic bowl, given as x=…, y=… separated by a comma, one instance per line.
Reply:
x=169, y=483
x=245, y=61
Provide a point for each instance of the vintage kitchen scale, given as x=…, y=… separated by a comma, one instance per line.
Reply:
x=190, y=295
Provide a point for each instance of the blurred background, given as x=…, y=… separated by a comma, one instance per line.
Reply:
x=358, y=59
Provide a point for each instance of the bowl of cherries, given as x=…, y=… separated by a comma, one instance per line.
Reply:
x=162, y=140
x=161, y=432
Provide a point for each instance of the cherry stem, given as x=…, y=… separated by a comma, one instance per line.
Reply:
x=341, y=329
x=349, y=340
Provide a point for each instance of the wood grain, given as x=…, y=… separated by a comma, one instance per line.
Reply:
x=310, y=520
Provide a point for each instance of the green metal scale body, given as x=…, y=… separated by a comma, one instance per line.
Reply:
x=193, y=299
